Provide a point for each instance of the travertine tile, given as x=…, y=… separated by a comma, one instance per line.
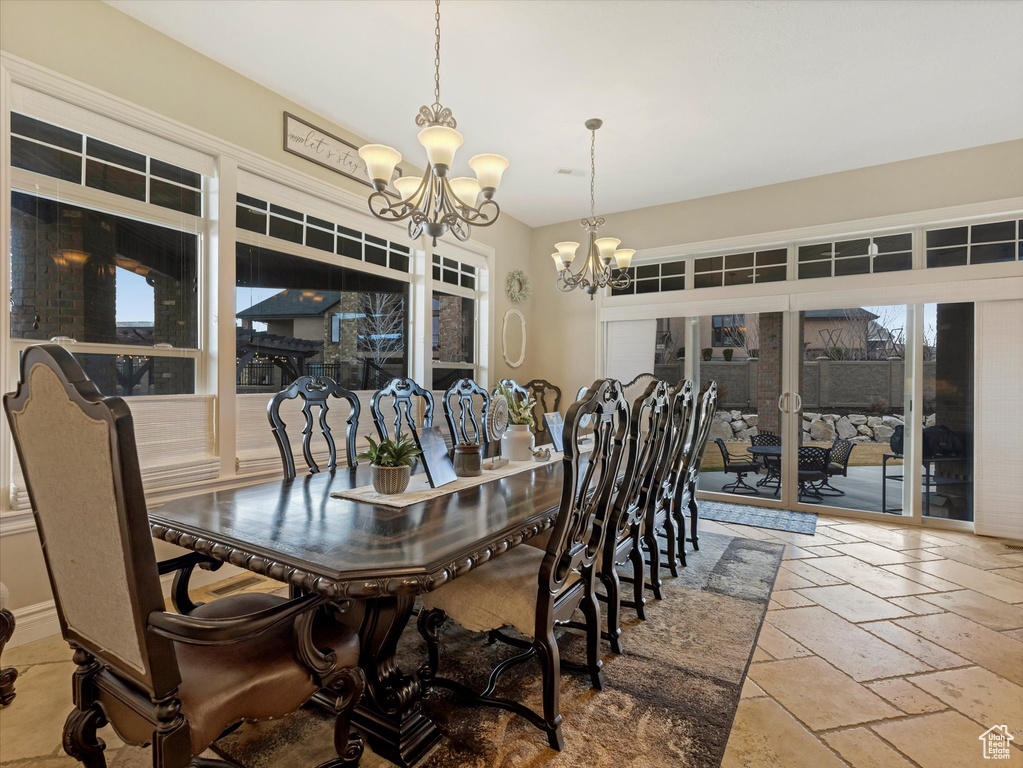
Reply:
x=48, y=650
x=986, y=583
x=854, y=604
x=894, y=538
x=869, y=577
x=823, y=698
x=907, y=571
x=979, y=694
x=792, y=552
x=779, y=645
x=1015, y=634
x=906, y=696
x=979, y=558
x=922, y=554
x=814, y=575
x=33, y=724
x=773, y=606
x=750, y=690
x=759, y=654
x=973, y=641
x=789, y=598
x=915, y=605
x=838, y=536
x=943, y=740
x=980, y=608
x=764, y=734
x=925, y=650
x=874, y=554
x=788, y=580
x=853, y=650
x=861, y=748
x=1016, y=574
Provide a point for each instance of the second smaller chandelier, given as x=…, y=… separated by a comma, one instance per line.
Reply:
x=596, y=272
x=434, y=203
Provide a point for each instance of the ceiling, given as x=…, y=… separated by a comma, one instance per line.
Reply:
x=698, y=98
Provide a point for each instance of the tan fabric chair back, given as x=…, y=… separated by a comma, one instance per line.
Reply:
x=77, y=453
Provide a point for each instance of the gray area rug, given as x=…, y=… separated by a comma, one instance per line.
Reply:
x=669, y=700
x=759, y=517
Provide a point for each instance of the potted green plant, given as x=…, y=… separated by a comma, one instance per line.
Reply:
x=392, y=462
x=517, y=442
x=727, y=354
x=708, y=353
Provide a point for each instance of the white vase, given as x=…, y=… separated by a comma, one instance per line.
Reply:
x=517, y=443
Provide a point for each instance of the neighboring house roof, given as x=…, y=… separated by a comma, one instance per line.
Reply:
x=857, y=313
x=292, y=303
x=263, y=343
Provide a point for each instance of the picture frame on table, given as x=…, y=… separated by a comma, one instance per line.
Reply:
x=440, y=470
x=556, y=427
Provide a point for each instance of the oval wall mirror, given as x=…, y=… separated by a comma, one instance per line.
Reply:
x=513, y=338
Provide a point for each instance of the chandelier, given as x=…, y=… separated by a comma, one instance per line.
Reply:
x=434, y=203
x=596, y=272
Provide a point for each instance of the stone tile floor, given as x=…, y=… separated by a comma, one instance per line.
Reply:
x=885, y=646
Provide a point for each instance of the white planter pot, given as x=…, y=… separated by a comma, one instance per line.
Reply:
x=517, y=443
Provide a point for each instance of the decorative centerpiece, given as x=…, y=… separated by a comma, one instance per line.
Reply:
x=517, y=442
x=392, y=462
x=468, y=459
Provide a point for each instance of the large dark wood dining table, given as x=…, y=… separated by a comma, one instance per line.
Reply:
x=371, y=560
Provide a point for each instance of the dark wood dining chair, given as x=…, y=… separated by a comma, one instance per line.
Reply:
x=548, y=400
x=172, y=681
x=686, y=504
x=518, y=391
x=648, y=429
x=398, y=396
x=315, y=392
x=461, y=409
x=535, y=590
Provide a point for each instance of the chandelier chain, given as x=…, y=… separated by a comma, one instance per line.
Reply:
x=436, y=55
x=593, y=169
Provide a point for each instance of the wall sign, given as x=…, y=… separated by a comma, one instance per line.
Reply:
x=328, y=150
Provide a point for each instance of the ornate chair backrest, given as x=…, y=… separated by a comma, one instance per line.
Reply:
x=315, y=392
x=400, y=393
x=78, y=456
x=548, y=400
x=648, y=429
x=841, y=450
x=708, y=407
x=765, y=438
x=637, y=386
x=680, y=436
x=589, y=484
x=813, y=458
x=518, y=391
x=723, y=448
x=460, y=412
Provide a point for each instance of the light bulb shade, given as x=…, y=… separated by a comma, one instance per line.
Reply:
x=558, y=263
x=440, y=143
x=407, y=186
x=623, y=257
x=567, y=250
x=606, y=247
x=466, y=189
x=380, y=161
x=489, y=169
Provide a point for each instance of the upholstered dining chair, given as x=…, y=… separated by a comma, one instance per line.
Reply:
x=648, y=429
x=548, y=400
x=466, y=406
x=172, y=681
x=398, y=396
x=534, y=590
x=315, y=392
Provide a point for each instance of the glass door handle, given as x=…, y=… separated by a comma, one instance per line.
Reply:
x=783, y=397
x=799, y=401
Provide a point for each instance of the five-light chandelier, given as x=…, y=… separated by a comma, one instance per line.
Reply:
x=596, y=272
x=434, y=203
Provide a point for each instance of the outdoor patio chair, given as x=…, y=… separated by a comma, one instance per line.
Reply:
x=771, y=464
x=813, y=470
x=740, y=466
x=838, y=464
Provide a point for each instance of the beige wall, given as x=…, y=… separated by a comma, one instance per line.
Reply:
x=566, y=355
x=104, y=48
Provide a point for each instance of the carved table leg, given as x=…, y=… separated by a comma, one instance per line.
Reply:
x=391, y=711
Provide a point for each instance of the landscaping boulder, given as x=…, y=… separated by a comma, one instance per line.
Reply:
x=746, y=434
x=738, y=425
x=860, y=440
x=874, y=421
x=736, y=415
x=822, y=431
x=719, y=428
x=891, y=421
x=811, y=416
x=864, y=430
x=832, y=417
x=929, y=421
x=723, y=415
x=806, y=437
x=752, y=419
x=857, y=419
x=845, y=428
x=883, y=434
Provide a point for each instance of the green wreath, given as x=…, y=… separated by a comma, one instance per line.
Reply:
x=517, y=286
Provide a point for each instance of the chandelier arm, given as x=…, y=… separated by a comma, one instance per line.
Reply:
x=385, y=209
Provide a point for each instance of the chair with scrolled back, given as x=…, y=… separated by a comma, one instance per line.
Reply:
x=533, y=589
x=686, y=504
x=838, y=464
x=165, y=679
x=460, y=411
x=637, y=386
x=771, y=464
x=315, y=392
x=648, y=429
x=519, y=392
x=812, y=470
x=400, y=394
x=548, y=400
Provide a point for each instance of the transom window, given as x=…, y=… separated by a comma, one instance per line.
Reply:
x=73, y=157
x=975, y=244
x=862, y=256
x=654, y=278
x=454, y=272
x=740, y=268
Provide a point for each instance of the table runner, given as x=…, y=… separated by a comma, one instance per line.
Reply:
x=419, y=489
